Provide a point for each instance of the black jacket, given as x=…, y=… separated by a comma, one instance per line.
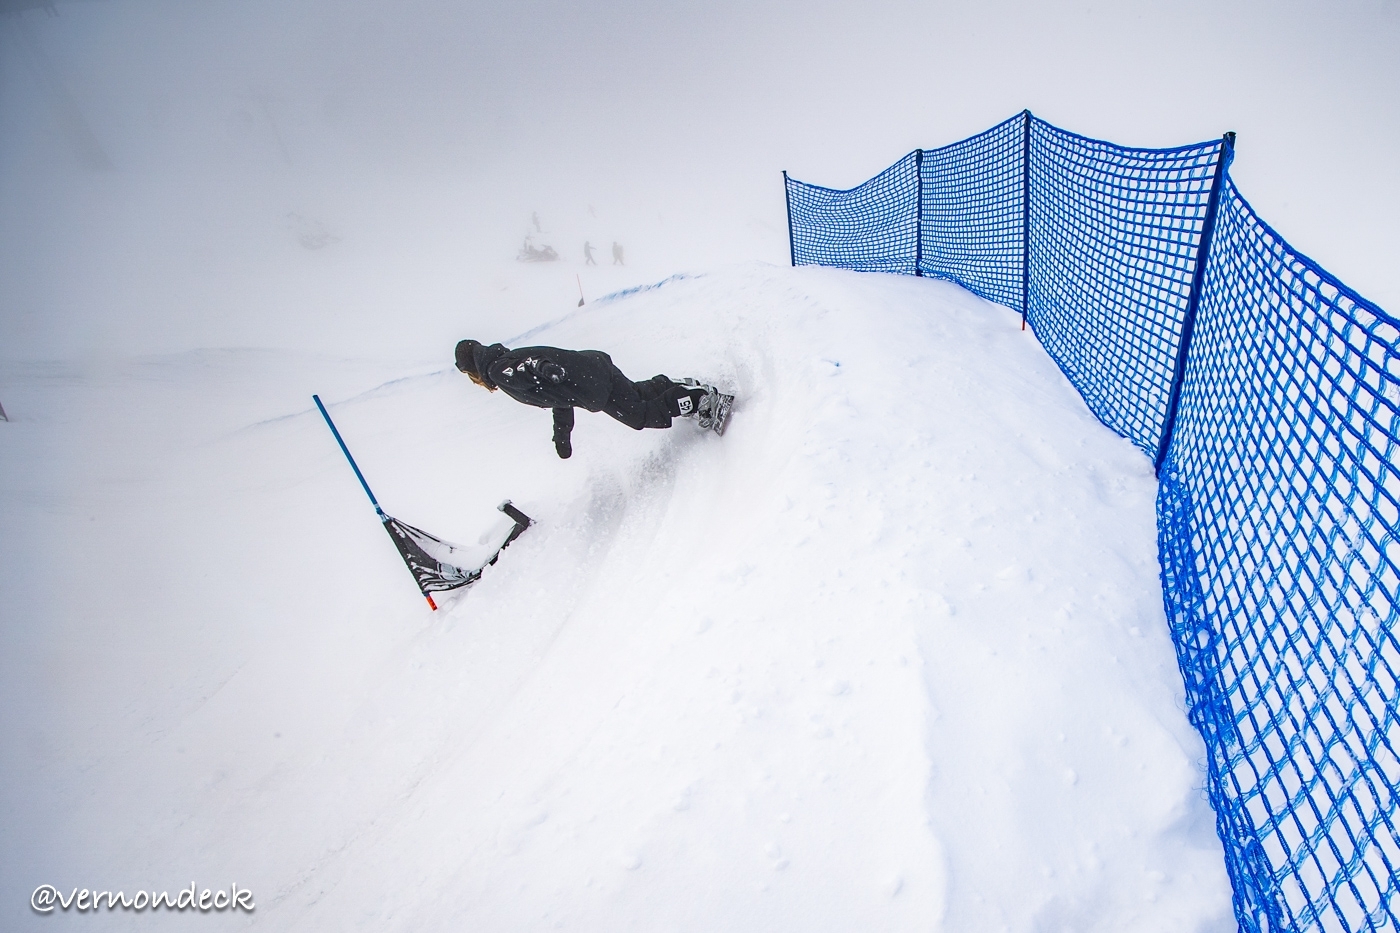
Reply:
x=548, y=377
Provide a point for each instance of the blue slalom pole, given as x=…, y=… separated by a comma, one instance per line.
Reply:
x=354, y=466
x=361, y=477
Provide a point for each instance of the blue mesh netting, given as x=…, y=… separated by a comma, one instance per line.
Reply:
x=1278, y=539
x=962, y=223
x=1279, y=504
x=1114, y=238
x=872, y=227
x=972, y=218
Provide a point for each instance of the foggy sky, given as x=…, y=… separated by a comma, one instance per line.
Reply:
x=152, y=152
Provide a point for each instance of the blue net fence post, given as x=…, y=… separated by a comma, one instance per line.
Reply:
x=787, y=199
x=919, y=212
x=1188, y=321
x=1268, y=395
x=1025, y=215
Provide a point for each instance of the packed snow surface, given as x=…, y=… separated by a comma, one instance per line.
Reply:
x=889, y=655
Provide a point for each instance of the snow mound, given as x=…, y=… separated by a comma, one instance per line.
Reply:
x=888, y=655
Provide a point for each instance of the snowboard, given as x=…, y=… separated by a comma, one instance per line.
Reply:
x=713, y=415
x=720, y=416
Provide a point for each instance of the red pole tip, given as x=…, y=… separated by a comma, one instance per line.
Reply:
x=430, y=602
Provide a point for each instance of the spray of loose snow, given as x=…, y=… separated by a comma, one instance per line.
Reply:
x=888, y=655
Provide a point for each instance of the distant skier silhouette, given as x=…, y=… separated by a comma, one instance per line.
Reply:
x=535, y=218
x=588, y=254
x=617, y=254
x=548, y=377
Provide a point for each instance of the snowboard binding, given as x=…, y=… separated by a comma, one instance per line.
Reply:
x=712, y=411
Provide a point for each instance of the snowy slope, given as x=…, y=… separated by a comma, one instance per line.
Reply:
x=889, y=655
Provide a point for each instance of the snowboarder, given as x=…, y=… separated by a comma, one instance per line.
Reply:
x=617, y=254
x=588, y=254
x=548, y=377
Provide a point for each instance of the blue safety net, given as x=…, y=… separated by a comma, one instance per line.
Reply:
x=953, y=213
x=1115, y=233
x=1269, y=396
x=872, y=227
x=972, y=228
x=1278, y=514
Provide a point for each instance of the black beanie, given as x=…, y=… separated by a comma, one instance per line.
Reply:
x=466, y=356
